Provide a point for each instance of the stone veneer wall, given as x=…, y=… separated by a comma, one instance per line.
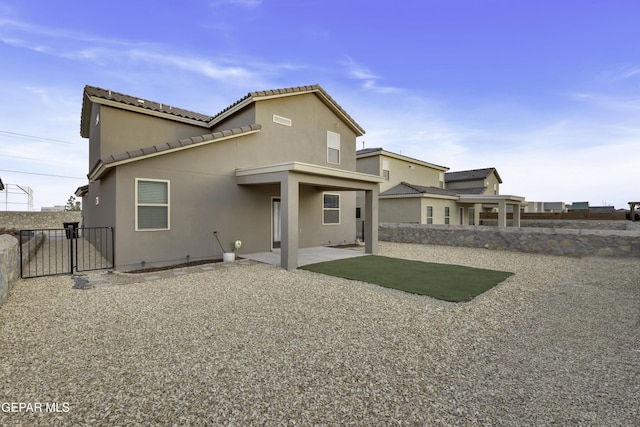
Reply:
x=35, y=220
x=9, y=268
x=552, y=241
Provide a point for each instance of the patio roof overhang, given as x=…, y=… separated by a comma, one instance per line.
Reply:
x=308, y=174
x=490, y=198
x=290, y=176
x=420, y=196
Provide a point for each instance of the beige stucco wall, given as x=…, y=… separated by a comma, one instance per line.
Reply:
x=203, y=201
x=399, y=210
x=205, y=196
x=400, y=170
x=491, y=183
x=245, y=117
x=439, y=210
x=414, y=210
x=305, y=140
x=370, y=165
x=119, y=131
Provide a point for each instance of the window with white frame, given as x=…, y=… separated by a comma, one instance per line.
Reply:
x=447, y=215
x=330, y=208
x=429, y=214
x=333, y=147
x=152, y=204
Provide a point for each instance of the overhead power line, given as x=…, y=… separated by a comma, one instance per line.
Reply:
x=20, y=157
x=43, y=174
x=33, y=137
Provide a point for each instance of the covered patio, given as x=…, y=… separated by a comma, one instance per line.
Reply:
x=290, y=176
x=307, y=256
x=501, y=201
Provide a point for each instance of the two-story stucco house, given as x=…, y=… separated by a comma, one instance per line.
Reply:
x=276, y=170
x=419, y=192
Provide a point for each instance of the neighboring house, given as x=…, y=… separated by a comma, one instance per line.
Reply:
x=276, y=170
x=476, y=181
x=578, y=207
x=541, y=207
x=419, y=192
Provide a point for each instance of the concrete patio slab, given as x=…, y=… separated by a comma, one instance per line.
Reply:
x=308, y=255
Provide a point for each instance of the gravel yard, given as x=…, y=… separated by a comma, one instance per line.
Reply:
x=557, y=343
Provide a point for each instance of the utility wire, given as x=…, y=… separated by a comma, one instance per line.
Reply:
x=20, y=157
x=33, y=137
x=42, y=174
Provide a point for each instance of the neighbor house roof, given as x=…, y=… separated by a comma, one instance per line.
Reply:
x=404, y=188
x=368, y=152
x=471, y=175
x=106, y=162
x=82, y=191
x=474, y=190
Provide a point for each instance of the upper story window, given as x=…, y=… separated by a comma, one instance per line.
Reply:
x=152, y=204
x=385, y=169
x=333, y=147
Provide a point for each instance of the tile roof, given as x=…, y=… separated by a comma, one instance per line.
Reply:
x=404, y=188
x=292, y=91
x=169, y=146
x=144, y=104
x=470, y=175
x=366, y=152
x=474, y=190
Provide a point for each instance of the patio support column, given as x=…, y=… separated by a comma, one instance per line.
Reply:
x=289, y=199
x=476, y=213
x=371, y=220
x=516, y=215
x=502, y=213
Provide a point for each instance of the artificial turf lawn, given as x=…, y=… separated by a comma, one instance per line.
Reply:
x=442, y=281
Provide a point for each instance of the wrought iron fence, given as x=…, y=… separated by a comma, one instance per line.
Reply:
x=48, y=252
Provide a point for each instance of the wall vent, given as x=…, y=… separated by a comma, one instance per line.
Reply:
x=281, y=120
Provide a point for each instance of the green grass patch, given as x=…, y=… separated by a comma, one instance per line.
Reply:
x=442, y=281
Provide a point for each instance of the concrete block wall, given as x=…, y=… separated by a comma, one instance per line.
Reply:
x=9, y=265
x=552, y=241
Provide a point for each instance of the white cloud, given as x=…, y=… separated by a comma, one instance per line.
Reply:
x=251, y=4
x=621, y=73
x=368, y=78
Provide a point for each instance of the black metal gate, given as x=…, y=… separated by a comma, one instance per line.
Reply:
x=48, y=252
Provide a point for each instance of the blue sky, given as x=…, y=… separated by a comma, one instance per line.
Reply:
x=548, y=92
